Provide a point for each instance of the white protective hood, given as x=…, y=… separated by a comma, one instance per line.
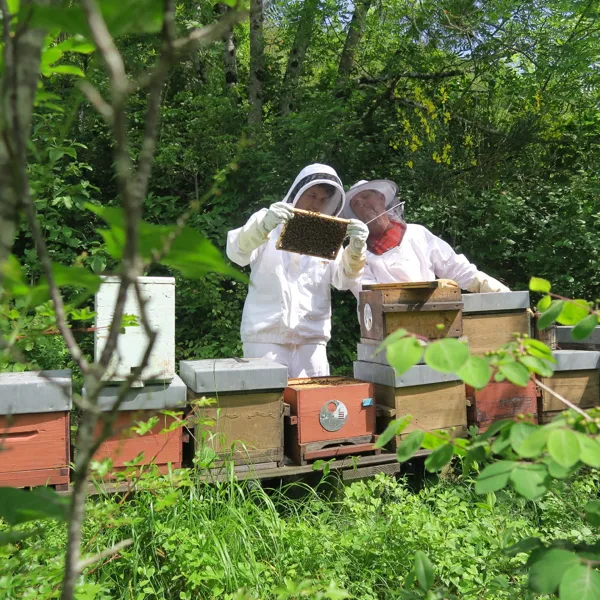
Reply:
x=314, y=175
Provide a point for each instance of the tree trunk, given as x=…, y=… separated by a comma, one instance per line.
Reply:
x=18, y=87
x=230, y=53
x=355, y=33
x=297, y=55
x=257, y=63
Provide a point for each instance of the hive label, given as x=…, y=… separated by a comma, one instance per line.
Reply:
x=368, y=317
x=333, y=415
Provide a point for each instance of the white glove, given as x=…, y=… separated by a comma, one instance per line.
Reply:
x=358, y=233
x=278, y=213
x=483, y=283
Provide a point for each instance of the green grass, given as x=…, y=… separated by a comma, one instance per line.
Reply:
x=193, y=541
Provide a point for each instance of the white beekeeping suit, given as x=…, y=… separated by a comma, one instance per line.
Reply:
x=287, y=314
x=418, y=255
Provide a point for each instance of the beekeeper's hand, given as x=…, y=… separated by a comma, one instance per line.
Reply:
x=278, y=213
x=483, y=283
x=358, y=233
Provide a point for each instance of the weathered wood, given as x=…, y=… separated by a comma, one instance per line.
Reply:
x=582, y=388
x=433, y=407
x=34, y=449
x=333, y=451
x=488, y=332
x=426, y=323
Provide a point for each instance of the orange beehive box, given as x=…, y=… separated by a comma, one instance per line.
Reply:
x=329, y=416
x=34, y=428
x=500, y=400
x=157, y=446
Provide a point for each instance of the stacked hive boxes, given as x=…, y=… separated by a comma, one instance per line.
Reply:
x=34, y=428
x=245, y=421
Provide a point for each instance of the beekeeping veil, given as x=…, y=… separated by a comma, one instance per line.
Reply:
x=389, y=190
x=317, y=175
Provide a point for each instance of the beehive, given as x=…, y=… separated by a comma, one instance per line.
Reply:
x=489, y=320
x=159, y=448
x=500, y=400
x=366, y=352
x=435, y=400
x=34, y=428
x=313, y=234
x=330, y=416
x=159, y=293
x=417, y=307
x=565, y=341
x=248, y=408
x=575, y=378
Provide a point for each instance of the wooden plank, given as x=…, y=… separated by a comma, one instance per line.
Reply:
x=422, y=307
x=35, y=477
x=31, y=442
x=426, y=323
x=361, y=439
x=488, y=332
x=363, y=472
x=395, y=295
x=406, y=285
x=254, y=419
x=370, y=307
x=334, y=451
x=499, y=400
x=579, y=387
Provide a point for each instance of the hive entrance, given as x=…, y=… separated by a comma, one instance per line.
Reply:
x=313, y=234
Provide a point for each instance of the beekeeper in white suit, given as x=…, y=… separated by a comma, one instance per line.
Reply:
x=401, y=252
x=287, y=314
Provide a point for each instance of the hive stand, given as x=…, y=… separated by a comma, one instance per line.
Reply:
x=329, y=417
x=245, y=423
x=159, y=448
x=575, y=378
x=35, y=428
x=435, y=400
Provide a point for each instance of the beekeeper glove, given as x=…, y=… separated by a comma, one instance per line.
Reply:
x=483, y=283
x=256, y=231
x=355, y=254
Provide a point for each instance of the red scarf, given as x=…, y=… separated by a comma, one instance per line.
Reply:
x=389, y=239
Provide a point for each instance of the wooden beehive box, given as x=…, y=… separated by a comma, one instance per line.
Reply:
x=158, y=447
x=417, y=307
x=575, y=378
x=500, y=400
x=329, y=417
x=435, y=400
x=313, y=234
x=489, y=320
x=565, y=341
x=546, y=336
x=248, y=410
x=35, y=428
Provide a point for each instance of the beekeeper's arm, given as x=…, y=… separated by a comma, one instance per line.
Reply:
x=348, y=272
x=243, y=243
x=447, y=264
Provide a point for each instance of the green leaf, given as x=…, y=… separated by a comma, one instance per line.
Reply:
x=537, y=284
x=556, y=471
x=516, y=373
x=542, y=350
x=525, y=545
x=404, y=354
x=590, y=450
x=447, y=355
x=20, y=506
x=592, y=512
x=410, y=444
x=12, y=536
x=584, y=328
x=392, y=430
x=476, y=372
x=66, y=70
x=564, y=447
x=537, y=365
x=424, y=570
x=549, y=316
x=580, y=582
x=13, y=280
x=439, y=458
x=533, y=445
x=573, y=312
x=391, y=339
x=496, y=427
x=544, y=303
x=530, y=480
x=519, y=433
x=494, y=477
x=76, y=277
x=548, y=570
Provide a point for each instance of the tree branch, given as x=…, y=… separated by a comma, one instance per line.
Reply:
x=563, y=400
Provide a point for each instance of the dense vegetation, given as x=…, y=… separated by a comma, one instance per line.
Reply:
x=484, y=113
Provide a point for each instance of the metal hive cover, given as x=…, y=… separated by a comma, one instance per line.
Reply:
x=313, y=234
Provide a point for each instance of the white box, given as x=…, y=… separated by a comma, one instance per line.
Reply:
x=131, y=346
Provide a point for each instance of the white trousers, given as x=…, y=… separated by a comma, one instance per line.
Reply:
x=305, y=360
